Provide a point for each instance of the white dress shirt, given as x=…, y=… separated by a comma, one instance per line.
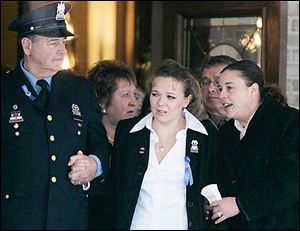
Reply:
x=162, y=200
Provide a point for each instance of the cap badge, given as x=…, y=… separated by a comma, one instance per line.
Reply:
x=60, y=13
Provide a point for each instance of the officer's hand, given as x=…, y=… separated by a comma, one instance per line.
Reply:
x=83, y=168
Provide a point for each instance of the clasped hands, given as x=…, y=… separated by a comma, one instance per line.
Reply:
x=83, y=168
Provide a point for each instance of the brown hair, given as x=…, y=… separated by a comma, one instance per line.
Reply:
x=105, y=74
x=170, y=68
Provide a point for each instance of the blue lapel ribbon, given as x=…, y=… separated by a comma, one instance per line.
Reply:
x=188, y=178
x=27, y=92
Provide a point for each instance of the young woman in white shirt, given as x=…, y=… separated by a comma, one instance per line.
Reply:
x=161, y=162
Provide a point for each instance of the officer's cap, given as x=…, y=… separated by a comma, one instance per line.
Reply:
x=48, y=20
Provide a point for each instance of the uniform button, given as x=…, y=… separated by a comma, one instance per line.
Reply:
x=233, y=182
x=53, y=179
x=16, y=125
x=49, y=118
x=87, y=195
x=52, y=138
x=7, y=196
x=79, y=133
x=17, y=133
x=53, y=157
x=190, y=204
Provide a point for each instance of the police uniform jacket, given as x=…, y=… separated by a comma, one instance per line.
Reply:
x=130, y=161
x=36, y=192
x=262, y=169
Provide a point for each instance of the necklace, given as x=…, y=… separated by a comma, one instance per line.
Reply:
x=162, y=148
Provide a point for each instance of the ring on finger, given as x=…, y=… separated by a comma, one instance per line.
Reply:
x=219, y=214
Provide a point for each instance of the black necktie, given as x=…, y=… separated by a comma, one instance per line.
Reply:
x=42, y=99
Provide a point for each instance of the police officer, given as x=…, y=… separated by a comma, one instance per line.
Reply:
x=52, y=141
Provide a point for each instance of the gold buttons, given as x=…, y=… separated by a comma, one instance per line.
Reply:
x=53, y=179
x=31, y=28
x=53, y=157
x=52, y=137
x=7, y=196
x=49, y=117
x=17, y=133
x=79, y=133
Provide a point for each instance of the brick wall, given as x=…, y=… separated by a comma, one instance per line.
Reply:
x=292, y=84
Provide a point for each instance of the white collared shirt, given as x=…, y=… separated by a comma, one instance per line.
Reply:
x=162, y=200
x=240, y=127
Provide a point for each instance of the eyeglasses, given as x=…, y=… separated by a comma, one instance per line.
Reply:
x=205, y=82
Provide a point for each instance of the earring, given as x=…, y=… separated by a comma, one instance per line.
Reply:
x=103, y=111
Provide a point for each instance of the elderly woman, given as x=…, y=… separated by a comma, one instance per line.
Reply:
x=115, y=84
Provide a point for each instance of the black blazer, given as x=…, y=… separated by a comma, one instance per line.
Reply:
x=36, y=192
x=262, y=169
x=130, y=161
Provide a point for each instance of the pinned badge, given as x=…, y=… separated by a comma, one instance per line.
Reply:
x=76, y=112
x=15, y=117
x=60, y=12
x=142, y=150
x=194, y=147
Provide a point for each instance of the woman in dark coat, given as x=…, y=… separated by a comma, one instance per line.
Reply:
x=259, y=165
x=115, y=83
x=161, y=162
